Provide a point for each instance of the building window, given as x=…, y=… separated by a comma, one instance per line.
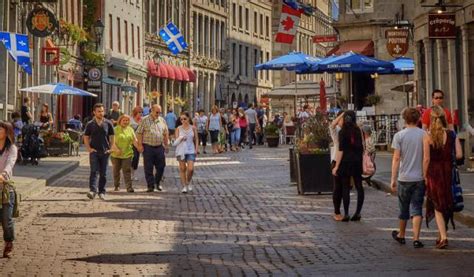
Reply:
x=234, y=61
x=240, y=17
x=246, y=58
x=267, y=26
x=261, y=24
x=138, y=42
x=132, y=28
x=268, y=71
x=111, y=33
x=126, y=36
x=255, y=22
x=247, y=18
x=240, y=59
x=119, y=41
x=364, y=6
x=234, y=16
x=255, y=61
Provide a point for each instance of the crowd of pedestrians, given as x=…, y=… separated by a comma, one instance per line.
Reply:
x=425, y=154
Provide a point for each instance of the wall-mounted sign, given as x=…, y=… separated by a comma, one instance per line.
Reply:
x=41, y=22
x=397, y=42
x=94, y=81
x=328, y=38
x=50, y=55
x=442, y=25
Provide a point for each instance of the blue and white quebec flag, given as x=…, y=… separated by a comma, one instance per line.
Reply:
x=173, y=38
x=18, y=48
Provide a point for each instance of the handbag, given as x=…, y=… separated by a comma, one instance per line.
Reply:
x=368, y=167
x=458, y=200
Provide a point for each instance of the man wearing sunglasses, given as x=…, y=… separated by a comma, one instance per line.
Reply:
x=437, y=100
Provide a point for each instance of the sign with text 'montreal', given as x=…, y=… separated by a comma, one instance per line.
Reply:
x=442, y=25
x=397, y=42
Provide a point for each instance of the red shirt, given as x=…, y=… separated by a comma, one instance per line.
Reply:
x=427, y=114
x=242, y=122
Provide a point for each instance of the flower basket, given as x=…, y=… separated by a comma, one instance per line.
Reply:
x=58, y=144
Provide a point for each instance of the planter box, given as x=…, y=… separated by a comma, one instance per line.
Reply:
x=293, y=168
x=273, y=141
x=314, y=173
x=58, y=148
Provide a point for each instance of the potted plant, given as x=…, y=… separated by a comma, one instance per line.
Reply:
x=373, y=100
x=58, y=143
x=313, y=161
x=272, y=134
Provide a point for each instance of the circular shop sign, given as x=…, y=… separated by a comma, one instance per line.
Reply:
x=41, y=22
x=95, y=74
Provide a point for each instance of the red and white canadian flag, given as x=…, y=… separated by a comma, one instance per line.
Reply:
x=289, y=21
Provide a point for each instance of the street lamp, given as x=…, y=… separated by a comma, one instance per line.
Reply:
x=99, y=32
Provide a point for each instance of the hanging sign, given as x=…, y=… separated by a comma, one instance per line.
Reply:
x=442, y=25
x=94, y=81
x=41, y=22
x=328, y=38
x=50, y=55
x=397, y=42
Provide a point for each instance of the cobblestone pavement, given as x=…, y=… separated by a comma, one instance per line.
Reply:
x=243, y=218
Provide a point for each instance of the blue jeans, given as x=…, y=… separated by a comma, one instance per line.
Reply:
x=153, y=158
x=7, y=219
x=235, y=136
x=98, y=163
x=410, y=194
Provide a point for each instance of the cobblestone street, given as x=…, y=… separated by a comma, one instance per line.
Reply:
x=243, y=218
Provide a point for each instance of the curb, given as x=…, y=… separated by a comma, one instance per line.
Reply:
x=463, y=217
x=30, y=186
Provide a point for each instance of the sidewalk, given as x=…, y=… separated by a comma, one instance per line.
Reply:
x=30, y=179
x=383, y=175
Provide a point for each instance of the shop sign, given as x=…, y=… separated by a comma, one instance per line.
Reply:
x=442, y=25
x=397, y=42
x=41, y=22
x=94, y=80
x=50, y=55
x=329, y=38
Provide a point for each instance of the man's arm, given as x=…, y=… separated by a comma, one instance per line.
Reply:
x=395, y=167
x=88, y=145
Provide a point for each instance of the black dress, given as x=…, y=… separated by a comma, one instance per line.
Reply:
x=352, y=148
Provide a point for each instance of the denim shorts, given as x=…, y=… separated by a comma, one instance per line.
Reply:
x=187, y=158
x=410, y=199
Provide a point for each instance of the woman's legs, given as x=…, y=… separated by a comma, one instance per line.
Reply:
x=439, y=217
x=360, y=193
x=346, y=196
x=116, y=167
x=189, y=173
x=182, y=173
x=337, y=195
x=8, y=225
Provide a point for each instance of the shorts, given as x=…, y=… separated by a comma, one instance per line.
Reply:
x=410, y=199
x=187, y=158
x=214, y=136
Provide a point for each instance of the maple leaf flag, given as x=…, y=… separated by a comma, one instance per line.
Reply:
x=289, y=22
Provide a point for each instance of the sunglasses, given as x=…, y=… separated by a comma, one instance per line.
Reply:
x=439, y=98
x=183, y=118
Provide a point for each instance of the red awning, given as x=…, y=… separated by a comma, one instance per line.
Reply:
x=153, y=69
x=192, y=76
x=364, y=47
x=178, y=76
x=184, y=73
x=167, y=71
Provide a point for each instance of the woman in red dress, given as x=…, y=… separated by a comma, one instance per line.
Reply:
x=437, y=168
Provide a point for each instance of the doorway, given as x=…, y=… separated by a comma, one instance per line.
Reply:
x=362, y=86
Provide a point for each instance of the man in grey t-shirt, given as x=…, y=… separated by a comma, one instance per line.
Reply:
x=408, y=163
x=253, y=122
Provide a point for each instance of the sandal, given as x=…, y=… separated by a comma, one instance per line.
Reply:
x=395, y=237
x=418, y=244
x=346, y=218
x=356, y=217
x=7, y=251
x=443, y=244
x=337, y=217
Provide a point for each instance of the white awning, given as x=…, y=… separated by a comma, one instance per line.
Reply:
x=305, y=89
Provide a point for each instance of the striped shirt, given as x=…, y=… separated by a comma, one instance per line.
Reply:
x=152, y=130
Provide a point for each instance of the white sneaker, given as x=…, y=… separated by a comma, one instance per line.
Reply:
x=102, y=196
x=134, y=178
x=159, y=188
x=91, y=195
x=184, y=190
x=190, y=188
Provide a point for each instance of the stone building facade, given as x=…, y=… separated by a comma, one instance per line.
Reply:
x=447, y=64
x=319, y=23
x=124, y=74
x=12, y=78
x=361, y=29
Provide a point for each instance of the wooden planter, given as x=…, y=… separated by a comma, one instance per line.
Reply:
x=58, y=148
x=273, y=141
x=314, y=173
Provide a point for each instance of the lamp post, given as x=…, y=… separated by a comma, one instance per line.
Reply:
x=237, y=84
x=99, y=32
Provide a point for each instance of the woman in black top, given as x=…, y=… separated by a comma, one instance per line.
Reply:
x=46, y=118
x=349, y=163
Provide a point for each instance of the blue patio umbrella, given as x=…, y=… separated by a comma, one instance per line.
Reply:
x=351, y=62
x=298, y=62
x=402, y=65
x=58, y=89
